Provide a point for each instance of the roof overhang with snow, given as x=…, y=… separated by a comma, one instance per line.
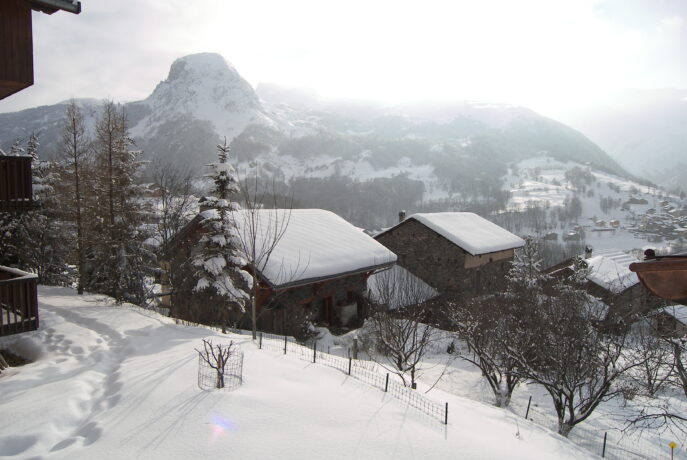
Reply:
x=473, y=233
x=316, y=246
x=611, y=271
x=51, y=6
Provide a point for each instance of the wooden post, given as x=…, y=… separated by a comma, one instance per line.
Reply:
x=314, y=352
x=350, y=360
x=386, y=384
x=260, y=346
x=528, y=407
x=603, y=451
x=284, y=344
x=446, y=414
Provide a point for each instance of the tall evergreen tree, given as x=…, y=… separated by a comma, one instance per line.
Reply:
x=119, y=261
x=218, y=261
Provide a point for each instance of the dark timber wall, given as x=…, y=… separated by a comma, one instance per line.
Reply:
x=16, y=47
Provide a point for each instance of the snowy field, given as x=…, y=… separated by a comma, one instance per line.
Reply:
x=120, y=382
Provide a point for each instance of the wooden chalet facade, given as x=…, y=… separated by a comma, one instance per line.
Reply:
x=18, y=296
x=456, y=253
x=318, y=272
x=16, y=40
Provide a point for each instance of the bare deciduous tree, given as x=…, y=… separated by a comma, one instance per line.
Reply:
x=575, y=361
x=490, y=326
x=400, y=310
x=263, y=223
x=74, y=152
x=216, y=356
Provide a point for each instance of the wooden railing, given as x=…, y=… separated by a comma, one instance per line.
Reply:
x=16, y=191
x=18, y=301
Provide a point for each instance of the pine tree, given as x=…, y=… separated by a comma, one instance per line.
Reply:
x=218, y=262
x=118, y=261
x=41, y=233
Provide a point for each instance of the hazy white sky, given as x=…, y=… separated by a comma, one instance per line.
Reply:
x=544, y=54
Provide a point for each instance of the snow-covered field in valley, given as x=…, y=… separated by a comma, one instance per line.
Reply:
x=120, y=382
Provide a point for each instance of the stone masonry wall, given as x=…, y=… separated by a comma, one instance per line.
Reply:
x=440, y=263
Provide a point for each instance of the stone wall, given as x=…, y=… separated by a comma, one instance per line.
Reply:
x=442, y=264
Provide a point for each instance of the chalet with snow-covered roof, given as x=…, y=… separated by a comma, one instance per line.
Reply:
x=609, y=278
x=454, y=252
x=317, y=271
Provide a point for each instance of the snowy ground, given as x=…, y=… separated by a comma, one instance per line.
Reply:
x=120, y=382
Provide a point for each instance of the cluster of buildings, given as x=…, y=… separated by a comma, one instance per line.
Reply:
x=322, y=267
x=666, y=222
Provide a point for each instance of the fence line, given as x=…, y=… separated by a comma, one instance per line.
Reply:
x=365, y=371
x=609, y=444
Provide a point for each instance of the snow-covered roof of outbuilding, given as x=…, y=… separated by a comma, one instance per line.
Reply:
x=316, y=245
x=611, y=270
x=398, y=288
x=471, y=232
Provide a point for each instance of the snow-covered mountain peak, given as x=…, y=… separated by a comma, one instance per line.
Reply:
x=204, y=86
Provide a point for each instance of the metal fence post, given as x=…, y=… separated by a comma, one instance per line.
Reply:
x=528, y=407
x=446, y=414
x=350, y=360
x=284, y=344
x=314, y=351
x=603, y=451
x=260, y=346
x=386, y=384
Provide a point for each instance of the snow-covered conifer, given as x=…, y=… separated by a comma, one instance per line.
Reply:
x=118, y=258
x=219, y=261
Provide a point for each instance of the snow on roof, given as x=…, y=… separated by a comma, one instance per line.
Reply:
x=397, y=288
x=679, y=312
x=611, y=270
x=471, y=232
x=316, y=244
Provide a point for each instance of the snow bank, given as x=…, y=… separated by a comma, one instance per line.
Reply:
x=120, y=382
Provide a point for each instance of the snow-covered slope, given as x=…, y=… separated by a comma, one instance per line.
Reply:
x=615, y=212
x=120, y=382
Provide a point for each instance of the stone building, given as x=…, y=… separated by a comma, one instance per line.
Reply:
x=457, y=253
x=317, y=271
x=610, y=280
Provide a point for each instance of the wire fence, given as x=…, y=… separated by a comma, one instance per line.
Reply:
x=611, y=444
x=229, y=377
x=367, y=372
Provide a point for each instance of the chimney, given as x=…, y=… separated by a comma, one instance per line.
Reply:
x=401, y=216
x=588, y=252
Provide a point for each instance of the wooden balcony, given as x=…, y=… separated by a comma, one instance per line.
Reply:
x=16, y=191
x=18, y=301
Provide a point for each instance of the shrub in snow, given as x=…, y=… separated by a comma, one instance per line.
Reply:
x=220, y=366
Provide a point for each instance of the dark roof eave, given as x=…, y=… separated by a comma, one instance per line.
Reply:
x=304, y=282
x=51, y=6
